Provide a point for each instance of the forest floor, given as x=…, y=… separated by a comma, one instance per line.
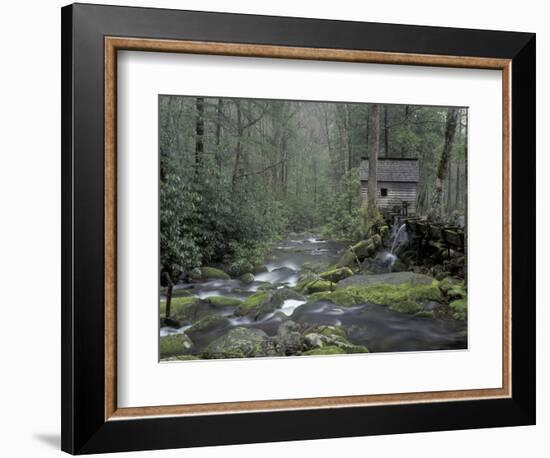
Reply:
x=299, y=303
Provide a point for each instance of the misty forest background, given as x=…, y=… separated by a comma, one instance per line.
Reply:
x=237, y=174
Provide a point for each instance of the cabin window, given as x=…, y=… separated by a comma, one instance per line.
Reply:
x=384, y=192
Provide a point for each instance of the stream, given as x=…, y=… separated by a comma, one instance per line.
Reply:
x=374, y=326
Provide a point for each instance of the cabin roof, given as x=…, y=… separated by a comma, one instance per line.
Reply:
x=398, y=170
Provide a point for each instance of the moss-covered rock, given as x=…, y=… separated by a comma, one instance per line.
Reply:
x=376, y=240
x=326, y=350
x=335, y=275
x=238, y=343
x=403, y=297
x=332, y=331
x=247, y=278
x=313, y=340
x=207, y=324
x=175, y=344
x=264, y=302
x=384, y=231
x=333, y=336
x=251, y=302
x=176, y=303
x=318, y=286
x=406, y=306
x=459, y=309
x=190, y=309
x=453, y=288
x=344, y=297
x=223, y=301
x=211, y=273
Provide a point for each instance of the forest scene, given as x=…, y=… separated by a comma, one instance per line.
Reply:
x=298, y=228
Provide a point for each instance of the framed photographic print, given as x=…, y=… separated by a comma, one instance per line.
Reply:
x=282, y=228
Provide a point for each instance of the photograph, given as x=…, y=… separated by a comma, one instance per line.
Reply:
x=265, y=219
x=307, y=228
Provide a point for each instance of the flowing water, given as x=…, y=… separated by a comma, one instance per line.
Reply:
x=371, y=325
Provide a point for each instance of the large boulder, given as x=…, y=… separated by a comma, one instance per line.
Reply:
x=175, y=345
x=264, y=302
x=190, y=309
x=403, y=292
x=211, y=273
x=207, y=324
x=289, y=340
x=406, y=306
x=247, y=278
x=329, y=338
x=239, y=343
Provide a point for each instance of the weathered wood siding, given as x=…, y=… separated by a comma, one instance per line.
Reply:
x=397, y=194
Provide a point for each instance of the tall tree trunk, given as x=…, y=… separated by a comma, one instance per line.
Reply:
x=449, y=186
x=406, y=122
x=350, y=156
x=386, y=131
x=315, y=183
x=199, y=131
x=437, y=197
x=238, y=149
x=374, y=150
x=284, y=165
x=219, y=116
x=457, y=186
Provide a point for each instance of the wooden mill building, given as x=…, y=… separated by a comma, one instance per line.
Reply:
x=397, y=183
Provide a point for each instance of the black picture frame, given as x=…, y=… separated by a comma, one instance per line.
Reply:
x=84, y=429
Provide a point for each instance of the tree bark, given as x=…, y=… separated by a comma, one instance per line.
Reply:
x=457, y=186
x=199, y=132
x=238, y=149
x=219, y=116
x=386, y=131
x=350, y=156
x=450, y=128
x=374, y=149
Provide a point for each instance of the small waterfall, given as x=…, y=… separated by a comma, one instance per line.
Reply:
x=397, y=235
